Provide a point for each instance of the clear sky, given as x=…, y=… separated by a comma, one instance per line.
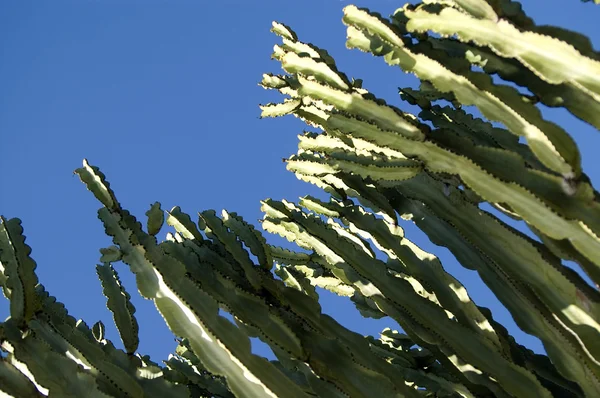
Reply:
x=163, y=97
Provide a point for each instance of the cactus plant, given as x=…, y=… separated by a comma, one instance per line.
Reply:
x=381, y=167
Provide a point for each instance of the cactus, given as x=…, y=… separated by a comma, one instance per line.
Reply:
x=381, y=167
x=438, y=177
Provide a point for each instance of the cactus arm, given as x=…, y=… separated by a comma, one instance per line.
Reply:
x=584, y=236
x=293, y=63
x=436, y=384
x=552, y=145
x=188, y=311
x=18, y=271
x=280, y=109
x=386, y=117
x=463, y=251
x=304, y=276
x=204, y=380
x=214, y=227
x=539, y=53
x=426, y=94
x=376, y=284
x=229, y=353
x=155, y=384
x=295, y=281
x=479, y=9
x=55, y=316
x=571, y=201
x=417, y=364
x=257, y=314
x=156, y=218
x=352, y=344
x=473, y=155
x=288, y=256
x=333, y=285
x=120, y=305
x=335, y=143
x=116, y=372
x=110, y=254
x=183, y=224
x=346, y=274
x=300, y=372
x=385, y=171
x=110, y=378
x=547, y=271
x=104, y=361
x=344, y=366
x=539, y=364
x=225, y=267
x=51, y=372
x=13, y=383
x=425, y=267
x=366, y=306
x=578, y=102
x=353, y=186
x=252, y=238
x=291, y=272
x=494, y=190
x=479, y=132
x=337, y=121
x=96, y=182
x=565, y=351
x=527, y=197
x=564, y=249
x=243, y=304
x=306, y=375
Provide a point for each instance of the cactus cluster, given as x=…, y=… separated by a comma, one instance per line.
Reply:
x=381, y=167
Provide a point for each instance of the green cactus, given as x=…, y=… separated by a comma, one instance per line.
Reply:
x=119, y=304
x=381, y=166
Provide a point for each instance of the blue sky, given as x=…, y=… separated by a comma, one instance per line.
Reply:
x=163, y=97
